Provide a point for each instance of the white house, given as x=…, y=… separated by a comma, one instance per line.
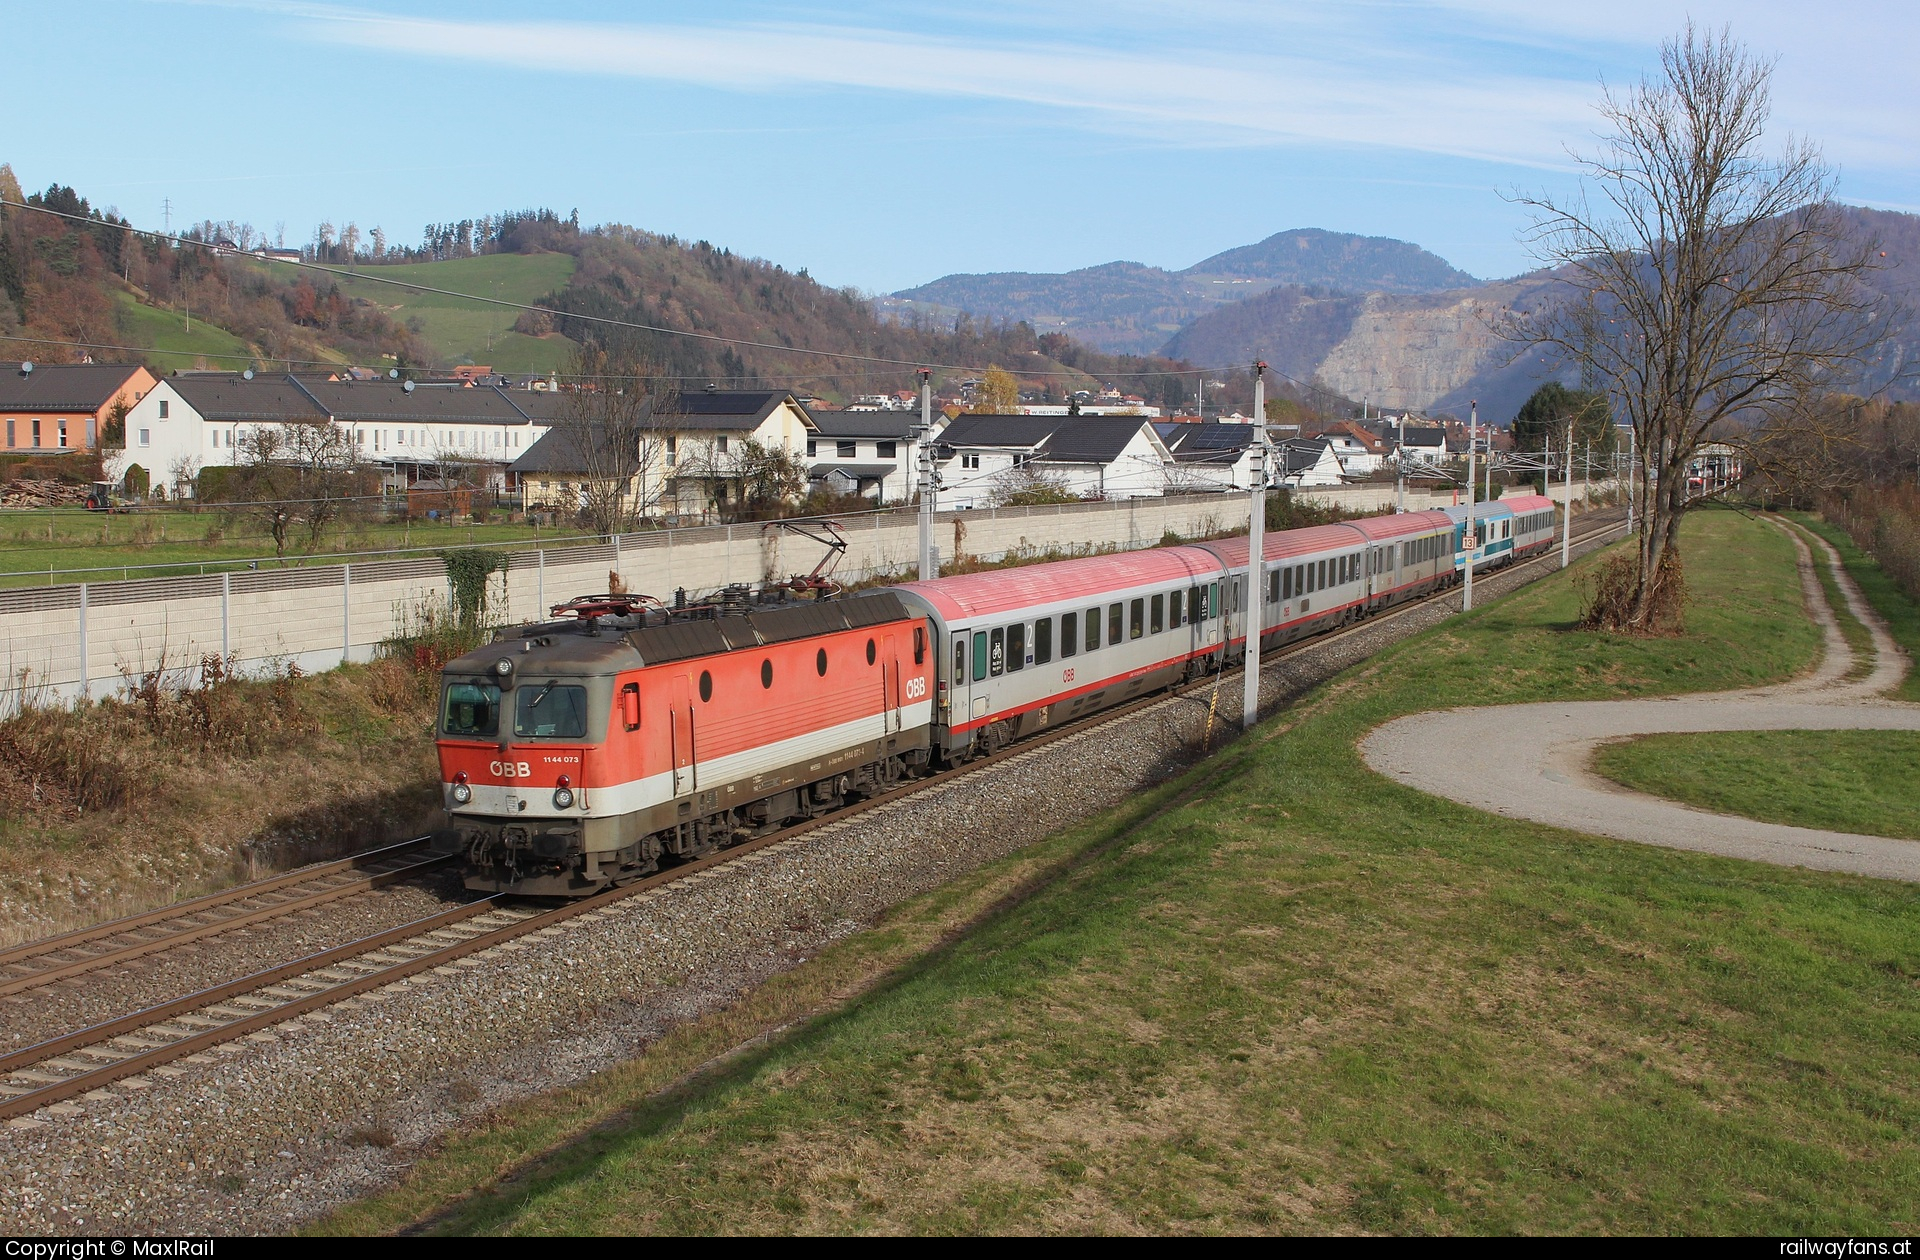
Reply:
x=1112, y=457
x=687, y=464
x=867, y=452
x=1209, y=456
x=197, y=420
x=1304, y=462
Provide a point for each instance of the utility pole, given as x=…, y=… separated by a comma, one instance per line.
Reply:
x=1467, y=539
x=928, y=493
x=1633, y=470
x=166, y=216
x=1256, y=551
x=1566, y=523
x=1400, y=467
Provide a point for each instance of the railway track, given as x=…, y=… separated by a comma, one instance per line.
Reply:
x=74, y=954
x=79, y=1063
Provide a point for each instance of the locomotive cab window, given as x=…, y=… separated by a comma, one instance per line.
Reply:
x=1016, y=647
x=1158, y=615
x=630, y=706
x=919, y=645
x=472, y=709
x=996, y=652
x=1043, y=641
x=550, y=711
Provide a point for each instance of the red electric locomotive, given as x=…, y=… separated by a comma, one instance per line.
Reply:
x=574, y=753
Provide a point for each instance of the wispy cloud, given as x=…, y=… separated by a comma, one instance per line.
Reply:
x=1193, y=95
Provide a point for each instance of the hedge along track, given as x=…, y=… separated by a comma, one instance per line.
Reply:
x=72, y=954
x=91, y=1058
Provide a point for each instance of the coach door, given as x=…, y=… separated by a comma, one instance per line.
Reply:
x=889, y=686
x=686, y=775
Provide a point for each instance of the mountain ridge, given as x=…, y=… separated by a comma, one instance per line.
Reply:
x=1131, y=307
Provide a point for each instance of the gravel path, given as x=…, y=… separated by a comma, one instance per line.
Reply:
x=276, y=1128
x=1531, y=760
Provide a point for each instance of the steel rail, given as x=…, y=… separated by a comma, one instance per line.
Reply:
x=136, y=942
x=193, y=905
x=160, y=1034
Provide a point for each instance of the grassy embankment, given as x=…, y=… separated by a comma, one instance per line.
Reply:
x=464, y=331
x=125, y=804
x=1283, y=994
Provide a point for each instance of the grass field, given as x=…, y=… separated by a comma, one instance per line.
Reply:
x=1900, y=613
x=169, y=543
x=172, y=344
x=1283, y=994
x=472, y=332
x=1859, y=781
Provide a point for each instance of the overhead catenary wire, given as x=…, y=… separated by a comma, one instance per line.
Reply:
x=713, y=338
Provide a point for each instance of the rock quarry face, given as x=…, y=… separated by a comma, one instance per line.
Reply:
x=1405, y=352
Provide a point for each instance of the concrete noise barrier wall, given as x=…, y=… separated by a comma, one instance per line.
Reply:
x=92, y=640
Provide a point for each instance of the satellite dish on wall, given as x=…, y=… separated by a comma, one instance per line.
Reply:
x=247, y=375
x=408, y=387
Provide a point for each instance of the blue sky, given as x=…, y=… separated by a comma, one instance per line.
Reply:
x=885, y=145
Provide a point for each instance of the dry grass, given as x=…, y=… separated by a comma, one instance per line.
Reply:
x=121, y=805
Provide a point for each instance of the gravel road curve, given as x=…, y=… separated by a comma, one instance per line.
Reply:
x=1531, y=760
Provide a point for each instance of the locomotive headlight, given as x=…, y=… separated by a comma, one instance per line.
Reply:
x=563, y=795
x=503, y=666
x=461, y=792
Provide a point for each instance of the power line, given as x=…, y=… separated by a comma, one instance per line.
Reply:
x=596, y=319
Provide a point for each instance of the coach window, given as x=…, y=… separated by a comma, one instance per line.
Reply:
x=1157, y=614
x=1043, y=640
x=1286, y=583
x=980, y=654
x=1069, y=634
x=1093, y=630
x=1016, y=646
x=1173, y=611
x=1273, y=587
x=1137, y=621
x=996, y=652
x=1193, y=604
x=1113, y=623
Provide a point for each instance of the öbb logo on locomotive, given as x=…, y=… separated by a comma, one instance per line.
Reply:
x=633, y=732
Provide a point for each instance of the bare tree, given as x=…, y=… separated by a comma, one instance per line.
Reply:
x=622, y=417
x=1709, y=286
x=329, y=473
